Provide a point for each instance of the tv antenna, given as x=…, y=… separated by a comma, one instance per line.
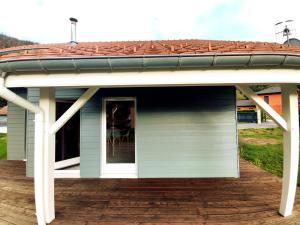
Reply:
x=284, y=30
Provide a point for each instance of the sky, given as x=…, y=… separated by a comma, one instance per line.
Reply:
x=47, y=21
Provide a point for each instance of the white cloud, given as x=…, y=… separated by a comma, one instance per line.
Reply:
x=47, y=20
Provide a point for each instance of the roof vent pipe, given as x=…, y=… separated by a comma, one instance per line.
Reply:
x=73, y=30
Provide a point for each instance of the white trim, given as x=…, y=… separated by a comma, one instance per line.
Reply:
x=66, y=163
x=116, y=170
x=290, y=148
x=119, y=175
x=262, y=104
x=157, y=78
x=73, y=109
x=119, y=169
x=66, y=173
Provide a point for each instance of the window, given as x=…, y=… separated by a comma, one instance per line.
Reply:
x=120, y=128
x=266, y=99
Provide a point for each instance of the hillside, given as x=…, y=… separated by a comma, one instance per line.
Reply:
x=7, y=41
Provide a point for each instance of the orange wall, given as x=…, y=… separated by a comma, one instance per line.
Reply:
x=274, y=101
x=246, y=108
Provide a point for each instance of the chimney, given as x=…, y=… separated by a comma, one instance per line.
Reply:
x=73, y=30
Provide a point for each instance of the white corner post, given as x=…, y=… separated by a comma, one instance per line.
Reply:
x=38, y=167
x=290, y=148
x=258, y=112
x=47, y=104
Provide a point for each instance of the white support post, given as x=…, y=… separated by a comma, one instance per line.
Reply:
x=290, y=148
x=262, y=104
x=47, y=103
x=38, y=168
x=73, y=109
x=38, y=148
x=258, y=112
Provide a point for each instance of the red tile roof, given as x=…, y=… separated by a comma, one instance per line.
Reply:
x=134, y=48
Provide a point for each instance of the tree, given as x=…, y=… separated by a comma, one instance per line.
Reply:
x=257, y=88
x=7, y=42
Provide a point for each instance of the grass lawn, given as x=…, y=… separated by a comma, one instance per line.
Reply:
x=2, y=146
x=263, y=148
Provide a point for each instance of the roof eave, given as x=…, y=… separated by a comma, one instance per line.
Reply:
x=145, y=62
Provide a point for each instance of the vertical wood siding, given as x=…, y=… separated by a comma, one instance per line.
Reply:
x=16, y=129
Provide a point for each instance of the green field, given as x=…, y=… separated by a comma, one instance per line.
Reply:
x=263, y=148
x=2, y=146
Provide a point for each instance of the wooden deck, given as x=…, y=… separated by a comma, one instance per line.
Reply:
x=251, y=199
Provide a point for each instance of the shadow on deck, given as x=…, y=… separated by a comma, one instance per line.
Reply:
x=252, y=199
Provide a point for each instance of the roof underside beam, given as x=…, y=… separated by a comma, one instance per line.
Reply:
x=156, y=78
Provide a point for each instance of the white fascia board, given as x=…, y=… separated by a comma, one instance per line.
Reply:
x=157, y=78
x=66, y=163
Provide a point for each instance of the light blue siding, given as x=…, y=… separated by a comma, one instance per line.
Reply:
x=33, y=95
x=68, y=93
x=16, y=129
x=188, y=132
x=90, y=138
x=180, y=132
x=184, y=132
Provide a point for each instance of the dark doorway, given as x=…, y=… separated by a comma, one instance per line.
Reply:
x=68, y=137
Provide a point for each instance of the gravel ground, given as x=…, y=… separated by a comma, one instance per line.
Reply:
x=268, y=124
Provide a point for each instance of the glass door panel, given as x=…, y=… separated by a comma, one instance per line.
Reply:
x=119, y=154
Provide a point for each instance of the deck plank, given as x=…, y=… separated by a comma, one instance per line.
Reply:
x=251, y=199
